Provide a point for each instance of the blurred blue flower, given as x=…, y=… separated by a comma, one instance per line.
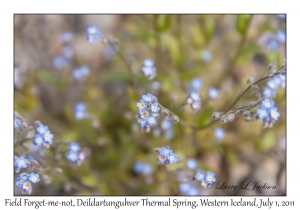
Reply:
x=200, y=176
x=151, y=120
x=24, y=176
x=94, y=34
x=41, y=129
x=267, y=103
x=148, y=62
x=173, y=158
x=21, y=162
x=210, y=177
x=148, y=98
x=74, y=147
x=47, y=136
x=195, y=85
x=38, y=139
x=80, y=111
x=271, y=84
x=263, y=112
x=67, y=36
x=142, y=168
x=195, y=96
x=213, y=93
x=206, y=56
x=17, y=122
x=155, y=107
x=142, y=104
x=168, y=134
x=149, y=71
x=142, y=122
x=60, y=62
x=273, y=43
x=144, y=114
x=282, y=16
x=166, y=124
x=219, y=134
x=274, y=113
x=165, y=151
x=193, y=191
x=67, y=52
x=34, y=178
x=80, y=72
x=191, y=163
x=268, y=92
x=196, y=105
x=281, y=36
x=72, y=156
x=19, y=182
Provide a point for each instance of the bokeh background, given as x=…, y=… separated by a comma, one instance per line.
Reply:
x=222, y=50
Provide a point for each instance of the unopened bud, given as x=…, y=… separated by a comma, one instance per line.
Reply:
x=254, y=88
x=215, y=115
x=272, y=65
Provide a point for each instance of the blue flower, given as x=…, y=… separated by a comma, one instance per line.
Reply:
x=80, y=72
x=93, y=34
x=72, y=156
x=19, y=182
x=272, y=84
x=165, y=151
x=267, y=103
x=173, y=158
x=166, y=124
x=281, y=36
x=200, y=176
x=210, y=177
x=277, y=81
x=34, y=178
x=74, y=147
x=138, y=167
x=151, y=120
x=60, y=62
x=17, y=122
x=195, y=96
x=262, y=112
x=144, y=114
x=67, y=36
x=41, y=129
x=191, y=163
x=282, y=16
x=38, y=139
x=206, y=56
x=195, y=85
x=47, y=136
x=196, y=105
x=149, y=71
x=142, y=104
x=185, y=187
x=148, y=62
x=219, y=134
x=148, y=98
x=213, y=93
x=24, y=176
x=80, y=111
x=193, y=191
x=268, y=92
x=147, y=169
x=273, y=43
x=274, y=113
x=27, y=187
x=142, y=168
x=142, y=122
x=21, y=162
x=155, y=107
x=67, y=51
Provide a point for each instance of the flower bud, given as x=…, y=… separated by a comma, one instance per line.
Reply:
x=216, y=115
x=254, y=88
x=223, y=119
x=175, y=119
x=230, y=117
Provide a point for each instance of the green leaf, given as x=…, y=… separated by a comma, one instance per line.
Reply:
x=206, y=116
x=242, y=23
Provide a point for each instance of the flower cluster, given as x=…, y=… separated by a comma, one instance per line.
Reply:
x=20, y=162
x=167, y=157
x=268, y=113
x=81, y=72
x=93, y=34
x=148, y=111
x=194, y=100
x=142, y=168
x=148, y=69
x=80, y=111
x=75, y=155
x=43, y=137
x=272, y=85
x=207, y=178
x=64, y=58
x=25, y=181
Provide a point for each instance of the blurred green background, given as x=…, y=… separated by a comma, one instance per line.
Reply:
x=175, y=43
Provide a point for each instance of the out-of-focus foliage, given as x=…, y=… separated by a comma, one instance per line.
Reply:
x=239, y=48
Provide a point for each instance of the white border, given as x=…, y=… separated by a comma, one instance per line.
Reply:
x=154, y=6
